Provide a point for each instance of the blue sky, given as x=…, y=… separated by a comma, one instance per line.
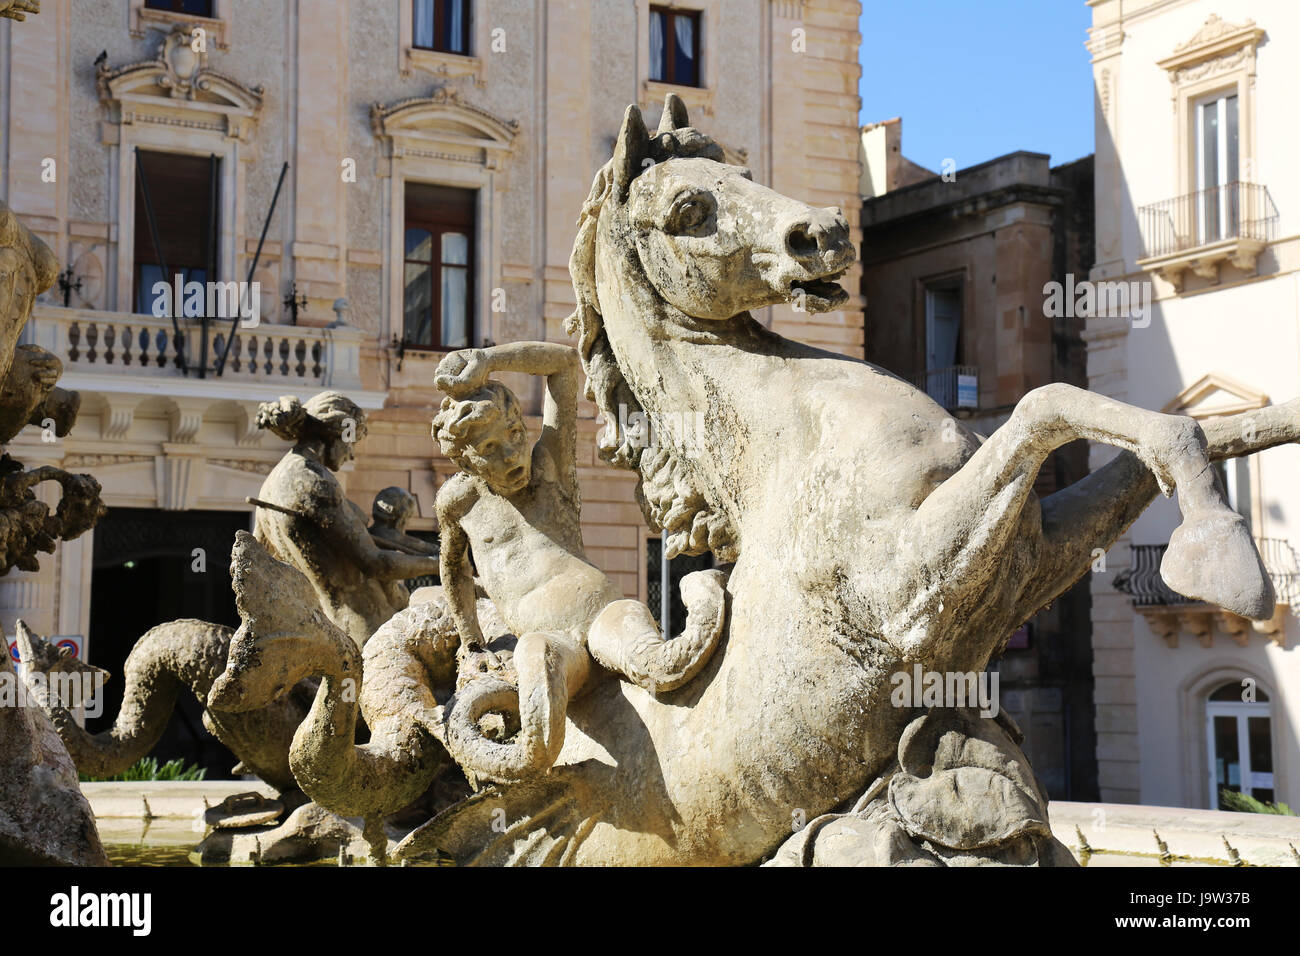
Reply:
x=975, y=79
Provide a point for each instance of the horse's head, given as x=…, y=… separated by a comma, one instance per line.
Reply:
x=711, y=241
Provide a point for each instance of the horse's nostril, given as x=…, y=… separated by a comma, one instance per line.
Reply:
x=800, y=241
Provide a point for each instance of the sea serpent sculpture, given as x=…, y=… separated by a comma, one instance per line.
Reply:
x=868, y=532
x=168, y=660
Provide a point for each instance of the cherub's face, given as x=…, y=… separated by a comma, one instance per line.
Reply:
x=497, y=451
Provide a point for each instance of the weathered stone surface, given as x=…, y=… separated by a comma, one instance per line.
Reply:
x=171, y=659
x=44, y=819
x=28, y=395
x=867, y=529
x=43, y=816
x=312, y=525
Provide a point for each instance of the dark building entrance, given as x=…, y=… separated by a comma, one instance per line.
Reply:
x=144, y=574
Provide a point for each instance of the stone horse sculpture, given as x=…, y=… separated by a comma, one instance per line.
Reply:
x=869, y=531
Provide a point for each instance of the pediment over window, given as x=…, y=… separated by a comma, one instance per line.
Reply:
x=178, y=88
x=1215, y=394
x=1216, y=46
x=443, y=125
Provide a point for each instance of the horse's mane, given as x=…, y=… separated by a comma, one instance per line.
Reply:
x=670, y=495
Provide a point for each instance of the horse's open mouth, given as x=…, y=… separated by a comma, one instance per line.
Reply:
x=818, y=295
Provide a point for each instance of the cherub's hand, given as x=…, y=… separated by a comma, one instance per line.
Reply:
x=462, y=372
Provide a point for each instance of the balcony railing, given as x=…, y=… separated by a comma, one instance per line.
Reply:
x=954, y=387
x=1143, y=583
x=1234, y=210
x=139, y=346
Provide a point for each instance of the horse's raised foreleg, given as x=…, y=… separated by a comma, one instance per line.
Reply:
x=957, y=540
x=1094, y=511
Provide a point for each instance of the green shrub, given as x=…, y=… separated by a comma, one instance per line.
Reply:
x=1245, y=803
x=147, y=768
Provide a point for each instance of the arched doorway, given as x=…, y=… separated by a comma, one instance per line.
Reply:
x=1239, y=741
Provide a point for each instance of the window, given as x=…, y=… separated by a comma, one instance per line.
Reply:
x=1240, y=742
x=441, y=25
x=195, y=8
x=1234, y=476
x=658, y=568
x=439, y=267
x=1217, y=167
x=675, y=46
x=176, y=203
x=949, y=383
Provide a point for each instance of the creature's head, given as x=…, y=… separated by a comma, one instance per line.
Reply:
x=283, y=637
x=38, y=654
x=330, y=418
x=393, y=507
x=484, y=434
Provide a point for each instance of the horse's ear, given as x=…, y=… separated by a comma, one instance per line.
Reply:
x=674, y=115
x=630, y=148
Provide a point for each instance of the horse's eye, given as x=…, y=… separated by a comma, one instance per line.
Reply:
x=691, y=215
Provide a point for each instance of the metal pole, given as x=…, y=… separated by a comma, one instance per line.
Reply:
x=210, y=263
x=234, y=322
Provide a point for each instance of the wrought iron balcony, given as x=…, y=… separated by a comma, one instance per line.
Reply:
x=1200, y=230
x=954, y=387
x=1143, y=583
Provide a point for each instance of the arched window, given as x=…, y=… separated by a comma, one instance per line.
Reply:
x=1239, y=738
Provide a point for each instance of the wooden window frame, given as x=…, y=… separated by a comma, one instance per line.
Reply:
x=670, y=14
x=143, y=251
x=171, y=7
x=439, y=38
x=438, y=225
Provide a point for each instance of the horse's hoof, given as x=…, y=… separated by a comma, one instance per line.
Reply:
x=1214, y=559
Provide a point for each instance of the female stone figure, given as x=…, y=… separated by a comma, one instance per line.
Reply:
x=312, y=525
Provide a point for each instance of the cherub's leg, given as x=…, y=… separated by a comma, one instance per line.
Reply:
x=625, y=638
x=961, y=531
x=551, y=668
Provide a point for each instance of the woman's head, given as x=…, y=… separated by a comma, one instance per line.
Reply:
x=484, y=434
x=330, y=418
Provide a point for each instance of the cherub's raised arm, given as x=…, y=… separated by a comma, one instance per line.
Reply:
x=462, y=372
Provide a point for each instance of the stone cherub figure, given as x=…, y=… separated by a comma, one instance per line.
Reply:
x=392, y=509
x=312, y=526
x=519, y=511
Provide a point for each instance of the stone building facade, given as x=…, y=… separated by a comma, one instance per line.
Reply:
x=494, y=114
x=954, y=271
x=1197, y=208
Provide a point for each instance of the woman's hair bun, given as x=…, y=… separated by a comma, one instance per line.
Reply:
x=284, y=418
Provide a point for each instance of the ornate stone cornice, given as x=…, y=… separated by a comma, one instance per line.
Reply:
x=416, y=113
x=1216, y=47
x=177, y=87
